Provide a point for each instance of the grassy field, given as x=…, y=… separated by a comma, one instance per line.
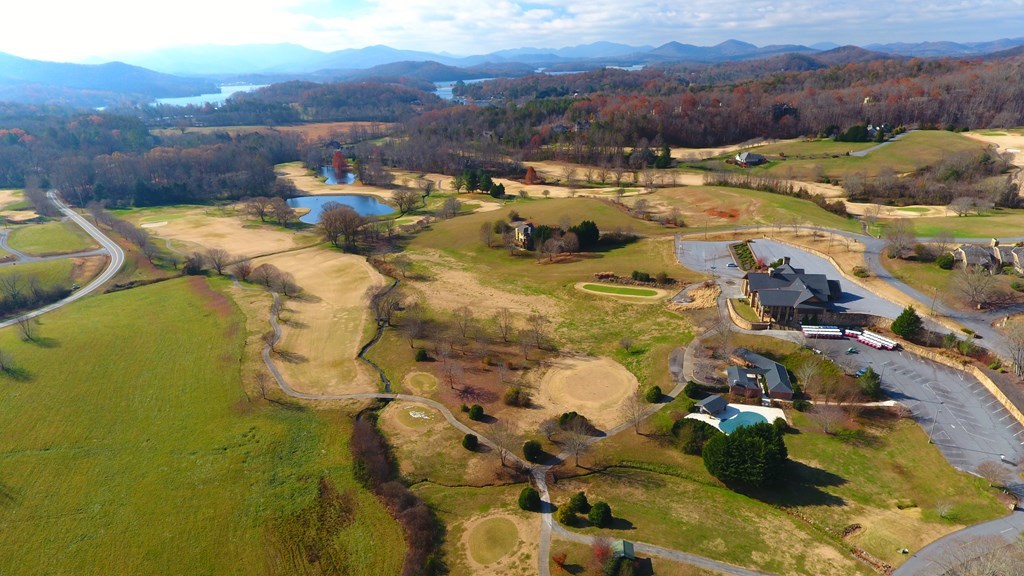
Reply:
x=50, y=273
x=50, y=239
x=148, y=457
x=717, y=206
x=812, y=148
x=885, y=477
x=913, y=152
x=1000, y=222
x=620, y=290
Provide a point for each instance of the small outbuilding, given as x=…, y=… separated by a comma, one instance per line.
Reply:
x=713, y=405
x=750, y=159
x=623, y=549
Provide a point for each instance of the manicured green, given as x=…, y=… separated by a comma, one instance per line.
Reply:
x=620, y=290
x=133, y=448
x=492, y=539
x=994, y=223
x=914, y=209
x=50, y=238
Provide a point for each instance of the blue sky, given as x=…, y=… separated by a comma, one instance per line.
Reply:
x=75, y=30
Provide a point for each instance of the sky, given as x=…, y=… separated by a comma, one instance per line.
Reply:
x=77, y=30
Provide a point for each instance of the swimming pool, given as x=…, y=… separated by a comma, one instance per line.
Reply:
x=740, y=420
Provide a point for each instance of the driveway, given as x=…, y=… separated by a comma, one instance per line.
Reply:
x=964, y=421
x=713, y=258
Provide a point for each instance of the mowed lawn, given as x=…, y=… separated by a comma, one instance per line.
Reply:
x=130, y=447
x=1000, y=222
x=914, y=151
x=48, y=274
x=51, y=238
x=825, y=146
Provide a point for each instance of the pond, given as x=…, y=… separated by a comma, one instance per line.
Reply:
x=364, y=205
x=333, y=179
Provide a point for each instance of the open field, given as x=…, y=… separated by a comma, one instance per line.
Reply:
x=322, y=130
x=50, y=239
x=196, y=228
x=797, y=148
x=469, y=514
x=323, y=329
x=148, y=457
x=914, y=151
x=999, y=222
x=884, y=476
x=713, y=206
x=63, y=272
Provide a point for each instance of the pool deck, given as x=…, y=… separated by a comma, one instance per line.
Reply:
x=733, y=410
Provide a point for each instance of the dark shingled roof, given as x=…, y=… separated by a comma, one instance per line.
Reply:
x=713, y=404
x=741, y=378
x=790, y=287
x=776, y=378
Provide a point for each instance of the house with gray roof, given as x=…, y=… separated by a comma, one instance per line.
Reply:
x=975, y=256
x=788, y=295
x=755, y=375
x=750, y=159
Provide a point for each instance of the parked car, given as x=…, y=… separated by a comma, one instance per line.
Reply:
x=731, y=265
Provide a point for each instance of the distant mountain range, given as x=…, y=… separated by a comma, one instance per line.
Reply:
x=290, y=59
x=173, y=72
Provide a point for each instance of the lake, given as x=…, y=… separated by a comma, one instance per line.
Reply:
x=364, y=205
x=215, y=98
x=332, y=177
x=444, y=88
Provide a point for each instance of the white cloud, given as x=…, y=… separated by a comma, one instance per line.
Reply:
x=75, y=29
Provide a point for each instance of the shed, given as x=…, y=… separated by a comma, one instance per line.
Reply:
x=623, y=549
x=712, y=405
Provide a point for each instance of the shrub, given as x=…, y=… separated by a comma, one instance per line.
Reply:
x=470, y=442
x=870, y=383
x=997, y=364
x=600, y=514
x=661, y=277
x=653, y=394
x=861, y=272
x=464, y=408
x=641, y=276
x=476, y=412
x=578, y=503
x=945, y=261
x=529, y=499
x=421, y=355
x=533, y=451
x=517, y=396
x=781, y=425
x=567, y=419
x=565, y=516
x=1017, y=285
x=801, y=405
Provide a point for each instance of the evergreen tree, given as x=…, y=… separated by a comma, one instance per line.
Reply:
x=907, y=324
x=752, y=455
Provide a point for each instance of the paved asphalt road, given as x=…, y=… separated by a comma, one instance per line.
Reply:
x=934, y=558
x=109, y=246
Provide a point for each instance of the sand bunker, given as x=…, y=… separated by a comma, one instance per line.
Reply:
x=594, y=387
x=154, y=224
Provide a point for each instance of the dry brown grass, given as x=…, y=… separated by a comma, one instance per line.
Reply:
x=594, y=387
x=323, y=330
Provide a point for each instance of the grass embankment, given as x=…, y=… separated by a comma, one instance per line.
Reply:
x=719, y=206
x=620, y=290
x=913, y=152
x=744, y=310
x=821, y=147
x=884, y=477
x=997, y=223
x=139, y=452
x=49, y=274
x=50, y=239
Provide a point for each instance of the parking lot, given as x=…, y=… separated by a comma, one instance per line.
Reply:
x=964, y=421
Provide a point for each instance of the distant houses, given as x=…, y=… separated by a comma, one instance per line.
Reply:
x=991, y=258
x=747, y=159
x=788, y=295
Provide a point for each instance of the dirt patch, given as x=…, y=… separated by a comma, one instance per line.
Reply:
x=519, y=560
x=323, y=330
x=700, y=296
x=594, y=387
x=731, y=214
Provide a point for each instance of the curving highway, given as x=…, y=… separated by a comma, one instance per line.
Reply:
x=109, y=247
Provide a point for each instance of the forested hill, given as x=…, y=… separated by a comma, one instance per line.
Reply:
x=23, y=80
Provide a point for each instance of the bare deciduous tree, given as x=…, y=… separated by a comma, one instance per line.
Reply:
x=503, y=320
x=27, y=328
x=1014, y=332
x=218, y=259
x=899, y=238
x=406, y=199
x=982, y=556
x=504, y=438
x=577, y=439
x=994, y=472
x=262, y=384
x=260, y=206
x=242, y=269
x=464, y=320
x=548, y=427
x=828, y=416
x=975, y=285
x=402, y=263
x=283, y=213
x=265, y=274
x=634, y=410
x=384, y=302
